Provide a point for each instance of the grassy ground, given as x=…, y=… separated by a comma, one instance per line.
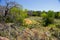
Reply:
x=32, y=29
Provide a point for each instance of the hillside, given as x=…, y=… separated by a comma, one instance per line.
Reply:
x=34, y=31
x=38, y=20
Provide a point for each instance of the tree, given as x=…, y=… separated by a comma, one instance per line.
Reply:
x=18, y=15
x=48, y=18
x=26, y=13
x=8, y=6
x=51, y=14
x=44, y=15
x=57, y=15
x=44, y=19
x=43, y=11
x=36, y=13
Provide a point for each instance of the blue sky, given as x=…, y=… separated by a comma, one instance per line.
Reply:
x=40, y=4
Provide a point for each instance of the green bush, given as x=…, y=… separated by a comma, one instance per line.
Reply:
x=18, y=14
x=57, y=15
x=48, y=18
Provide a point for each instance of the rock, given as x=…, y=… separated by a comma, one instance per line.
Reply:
x=3, y=38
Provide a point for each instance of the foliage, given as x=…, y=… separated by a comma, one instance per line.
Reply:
x=57, y=15
x=51, y=14
x=31, y=27
x=18, y=14
x=48, y=18
x=44, y=15
x=55, y=33
x=36, y=13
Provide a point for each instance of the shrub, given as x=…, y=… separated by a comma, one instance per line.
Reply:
x=18, y=15
x=57, y=15
x=48, y=18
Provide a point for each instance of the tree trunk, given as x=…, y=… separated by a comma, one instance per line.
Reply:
x=6, y=12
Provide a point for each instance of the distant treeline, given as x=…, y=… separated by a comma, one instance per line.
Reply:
x=38, y=13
